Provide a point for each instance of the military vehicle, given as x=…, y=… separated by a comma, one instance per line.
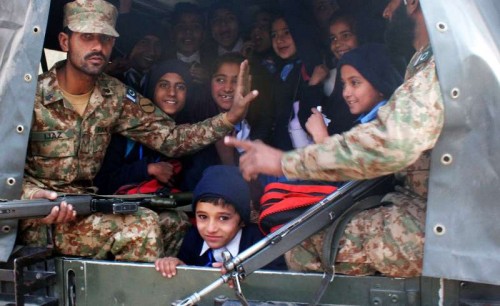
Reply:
x=462, y=247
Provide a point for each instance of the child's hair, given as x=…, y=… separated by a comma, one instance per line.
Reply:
x=182, y=8
x=228, y=58
x=214, y=201
x=223, y=4
x=224, y=185
x=348, y=18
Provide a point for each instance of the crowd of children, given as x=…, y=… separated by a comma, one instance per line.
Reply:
x=303, y=99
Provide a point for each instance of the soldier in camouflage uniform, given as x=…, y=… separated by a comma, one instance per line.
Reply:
x=387, y=239
x=77, y=108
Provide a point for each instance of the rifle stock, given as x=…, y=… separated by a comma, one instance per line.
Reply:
x=294, y=232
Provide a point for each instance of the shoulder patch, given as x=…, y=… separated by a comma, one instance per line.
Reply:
x=146, y=105
x=131, y=95
x=424, y=57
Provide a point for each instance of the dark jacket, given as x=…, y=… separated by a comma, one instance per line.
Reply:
x=192, y=244
x=120, y=168
x=287, y=91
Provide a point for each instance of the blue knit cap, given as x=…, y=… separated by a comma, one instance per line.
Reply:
x=158, y=70
x=373, y=62
x=225, y=182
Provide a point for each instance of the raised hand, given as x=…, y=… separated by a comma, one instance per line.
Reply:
x=242, y=96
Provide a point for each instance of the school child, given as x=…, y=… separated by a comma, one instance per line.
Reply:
x=128, y=162
x=295, y=91
x=369, y=79
x=224, y=22
x=221, y=202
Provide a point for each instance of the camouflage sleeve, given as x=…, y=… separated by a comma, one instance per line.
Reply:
x=142, y=121
x=409, y=124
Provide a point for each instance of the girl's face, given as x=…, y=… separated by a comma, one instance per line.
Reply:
x=170, y=93
x=342, y=39
x=282, y=39
x=224, y=84
x=358, y=93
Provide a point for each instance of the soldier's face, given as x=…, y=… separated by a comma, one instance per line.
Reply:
x=400, y=31
x=225, y=28
x=358, y=93
x=217, y=224
x=170, y=93
x=188, y=34
x=223, y=85
x=87, y=52
x=145, y=52
x=390, y=8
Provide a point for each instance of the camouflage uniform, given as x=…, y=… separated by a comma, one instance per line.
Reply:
x=66, y=150
x=387, y=239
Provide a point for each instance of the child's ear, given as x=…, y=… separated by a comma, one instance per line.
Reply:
x=242, y=224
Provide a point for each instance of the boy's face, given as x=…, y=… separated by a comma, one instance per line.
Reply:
x=189, y=34
x=145, y=52
x=359, y=94
x=259, y=34
x=223, y=85
x=217, y=224
x=170, y=93
x=225, y=28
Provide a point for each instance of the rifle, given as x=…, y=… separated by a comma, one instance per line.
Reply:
x=88, y=204
x=292, y=233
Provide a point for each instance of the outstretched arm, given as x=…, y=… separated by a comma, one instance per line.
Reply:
x=258, y=158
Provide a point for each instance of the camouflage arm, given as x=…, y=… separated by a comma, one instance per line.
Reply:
x=142, y=121
x=191, y=137
x=409, y=124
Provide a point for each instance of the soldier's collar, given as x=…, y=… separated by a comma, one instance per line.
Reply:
x=51, y=90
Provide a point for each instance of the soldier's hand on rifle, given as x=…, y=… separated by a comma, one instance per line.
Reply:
x=59, y=214
x=258, y=158
x=167, y=266
x=242, y=95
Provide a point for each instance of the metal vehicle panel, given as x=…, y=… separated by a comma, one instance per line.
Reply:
x=462, y=234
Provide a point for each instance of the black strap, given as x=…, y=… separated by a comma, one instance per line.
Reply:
x=332, y=238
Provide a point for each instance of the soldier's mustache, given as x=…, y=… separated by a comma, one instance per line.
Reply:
x=93, y=54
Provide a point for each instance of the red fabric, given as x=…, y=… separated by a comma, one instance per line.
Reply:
x=287, y=201
x=152, y=185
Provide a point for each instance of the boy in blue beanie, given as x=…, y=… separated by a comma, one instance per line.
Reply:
x=221, y=202
x=369, y=79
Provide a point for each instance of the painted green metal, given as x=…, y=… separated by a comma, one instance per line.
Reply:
x=113, y=283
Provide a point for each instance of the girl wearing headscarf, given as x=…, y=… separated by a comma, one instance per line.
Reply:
x=368, y=79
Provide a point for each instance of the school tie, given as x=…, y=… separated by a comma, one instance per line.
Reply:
x=210, y=258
